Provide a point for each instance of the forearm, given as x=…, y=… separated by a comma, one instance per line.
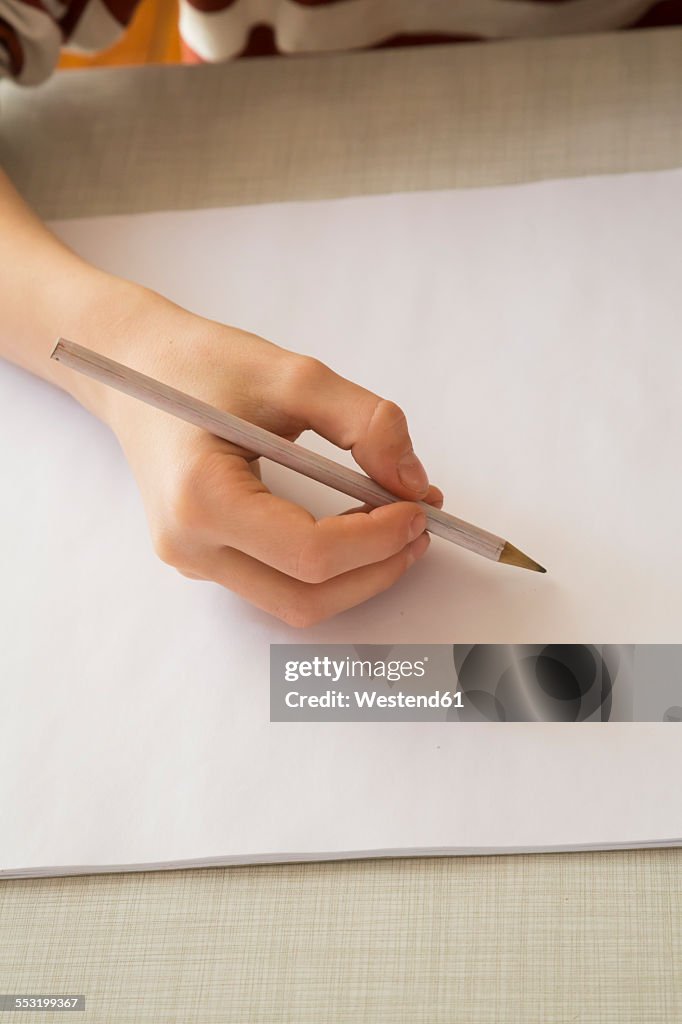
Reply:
x=46, y=290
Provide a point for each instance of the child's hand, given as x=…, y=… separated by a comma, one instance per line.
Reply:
x=210, y=515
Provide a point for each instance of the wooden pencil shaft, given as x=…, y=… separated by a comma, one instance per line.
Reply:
x=264, y=443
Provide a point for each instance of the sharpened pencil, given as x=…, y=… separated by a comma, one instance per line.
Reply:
x=287, y=453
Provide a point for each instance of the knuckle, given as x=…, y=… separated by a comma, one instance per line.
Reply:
x=393, y=415
x=306, y=373
x=172, y=551
x=313, y=563
x=166, y=546
x=189, y=574
x=186, y=510
x=301, y=612
x=187, y=506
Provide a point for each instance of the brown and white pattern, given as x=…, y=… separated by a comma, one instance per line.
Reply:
x=32, y=32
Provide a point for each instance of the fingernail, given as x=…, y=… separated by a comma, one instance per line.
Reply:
x=412, y=474
x=417, y=548
x=417, y=526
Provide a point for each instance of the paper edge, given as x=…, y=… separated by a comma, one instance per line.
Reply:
x=262, y=859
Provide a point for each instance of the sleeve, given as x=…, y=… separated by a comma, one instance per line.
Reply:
x=30, y=40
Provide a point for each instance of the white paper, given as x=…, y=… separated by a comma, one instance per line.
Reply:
x=537, y=328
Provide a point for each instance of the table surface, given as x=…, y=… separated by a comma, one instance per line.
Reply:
x=483, y=940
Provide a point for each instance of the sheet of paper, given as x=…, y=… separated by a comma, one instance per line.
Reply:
x=532, y=333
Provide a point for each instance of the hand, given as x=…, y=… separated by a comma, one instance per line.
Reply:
x=210, y=515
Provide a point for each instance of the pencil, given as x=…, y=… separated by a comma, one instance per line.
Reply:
x=270, y=446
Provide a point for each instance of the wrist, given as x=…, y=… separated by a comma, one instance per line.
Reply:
x=106, y=315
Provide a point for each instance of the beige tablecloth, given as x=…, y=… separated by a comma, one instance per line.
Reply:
x=534, y=939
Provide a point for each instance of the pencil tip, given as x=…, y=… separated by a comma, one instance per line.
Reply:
x=512, y=556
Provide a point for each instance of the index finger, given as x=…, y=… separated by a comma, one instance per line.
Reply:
x=374, y=429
